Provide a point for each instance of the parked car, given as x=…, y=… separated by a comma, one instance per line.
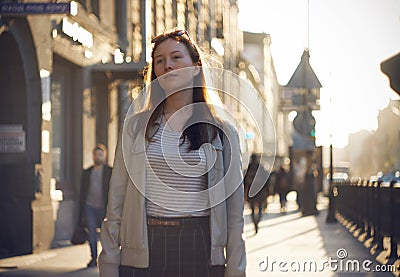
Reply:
x=388, y=177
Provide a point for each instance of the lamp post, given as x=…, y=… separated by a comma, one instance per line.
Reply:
x=331, y=218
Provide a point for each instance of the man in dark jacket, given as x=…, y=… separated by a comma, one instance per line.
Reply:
x=256, y=176
x=94, y=196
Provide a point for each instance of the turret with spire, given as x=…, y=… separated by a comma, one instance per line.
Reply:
x=304, y=88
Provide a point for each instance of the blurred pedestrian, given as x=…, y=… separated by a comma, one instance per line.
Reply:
x=282, y=187
x=298, y=179
x=94, y=196
x=174, y=207
x=256, y=176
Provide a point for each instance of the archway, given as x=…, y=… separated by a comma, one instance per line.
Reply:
x=20, y=108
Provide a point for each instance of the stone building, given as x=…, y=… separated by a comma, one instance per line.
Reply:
x=257, y=55
x=67, y=81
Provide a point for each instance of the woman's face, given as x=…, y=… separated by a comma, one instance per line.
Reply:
x=169, y=56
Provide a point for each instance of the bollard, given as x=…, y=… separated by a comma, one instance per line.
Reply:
x=370, y=205
x=365, y=210
x=379, y=225
x=331, y=218
x=392, y=257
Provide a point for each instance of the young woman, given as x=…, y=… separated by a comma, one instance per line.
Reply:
x=176, y=196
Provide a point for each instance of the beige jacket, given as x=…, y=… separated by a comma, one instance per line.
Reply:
x=124, y=231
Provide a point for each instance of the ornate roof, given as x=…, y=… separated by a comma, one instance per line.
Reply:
x=304, y=76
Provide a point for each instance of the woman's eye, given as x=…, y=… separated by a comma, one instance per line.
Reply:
x=158, y=61
x=177, y=57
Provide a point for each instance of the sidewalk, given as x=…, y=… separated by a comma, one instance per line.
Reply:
x=68, y=261
x=282, y=238
x=286, y=243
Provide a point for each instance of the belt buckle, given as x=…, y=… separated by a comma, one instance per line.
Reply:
x=160, y=222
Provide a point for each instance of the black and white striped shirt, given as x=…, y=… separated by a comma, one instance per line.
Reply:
x=176, y=178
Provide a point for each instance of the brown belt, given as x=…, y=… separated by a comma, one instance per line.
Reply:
x=161, y=222
x=182, y=221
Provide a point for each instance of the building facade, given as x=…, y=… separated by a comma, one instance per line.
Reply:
x=57, y=104
x=68, y=80
x=261, y=73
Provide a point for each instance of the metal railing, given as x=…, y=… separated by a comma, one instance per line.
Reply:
x=374, y=207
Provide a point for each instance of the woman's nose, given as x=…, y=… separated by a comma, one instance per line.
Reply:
x=168, y=65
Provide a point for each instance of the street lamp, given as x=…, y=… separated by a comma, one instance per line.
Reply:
x=331, y=217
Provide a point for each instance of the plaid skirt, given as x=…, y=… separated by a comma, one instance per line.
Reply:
x=178, y=247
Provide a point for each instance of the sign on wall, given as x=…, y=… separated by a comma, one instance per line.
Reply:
x=12, y=139
x=34, y=8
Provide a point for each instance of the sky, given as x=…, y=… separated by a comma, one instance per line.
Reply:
x=347, y=40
